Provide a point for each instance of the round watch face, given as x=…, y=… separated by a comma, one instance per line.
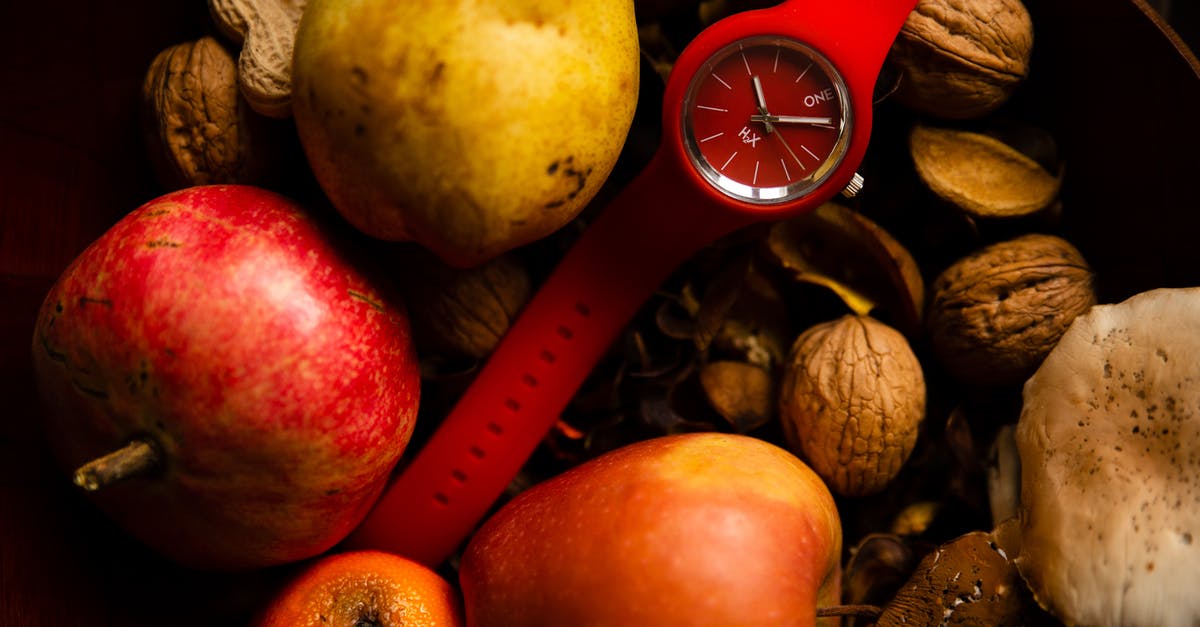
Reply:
x=766, y=119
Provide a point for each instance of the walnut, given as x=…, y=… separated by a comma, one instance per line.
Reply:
x=851, y=403
x=997, y=312
x=198, y=129
x=962, y=59
x=266, y=32
x=461, y=312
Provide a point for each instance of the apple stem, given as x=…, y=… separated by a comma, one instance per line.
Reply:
x=858, y=611
x=137, y=457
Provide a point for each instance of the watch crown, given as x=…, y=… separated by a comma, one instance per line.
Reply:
x=854, y=186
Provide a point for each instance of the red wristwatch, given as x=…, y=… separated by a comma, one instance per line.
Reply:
x=766, y=115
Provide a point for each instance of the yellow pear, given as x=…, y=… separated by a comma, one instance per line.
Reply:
x=470, y=127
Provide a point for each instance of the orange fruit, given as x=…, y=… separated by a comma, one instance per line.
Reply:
x=360, y=588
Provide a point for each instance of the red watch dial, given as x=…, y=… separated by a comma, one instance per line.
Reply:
x=766, y=119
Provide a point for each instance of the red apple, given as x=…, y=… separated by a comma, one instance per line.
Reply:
x=256, y=383
x=364, y=588
x=698, y=529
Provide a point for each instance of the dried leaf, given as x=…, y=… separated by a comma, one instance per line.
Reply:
x=657, y=412
x=656, y=49
x=878, y=566
x=652, y=359
x=673, y=320
x=757, y=328
x=719, y=297
x=844, y=251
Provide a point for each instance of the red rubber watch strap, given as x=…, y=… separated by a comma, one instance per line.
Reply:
x=664, y=216
x=533, y=373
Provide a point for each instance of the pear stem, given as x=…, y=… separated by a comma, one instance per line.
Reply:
x=859, y=611
x=137, y=457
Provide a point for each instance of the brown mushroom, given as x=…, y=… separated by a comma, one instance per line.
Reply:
x=967, y=581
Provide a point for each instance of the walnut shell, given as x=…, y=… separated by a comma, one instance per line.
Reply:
x=962, y=59
x=739, y=391
x=852, y=400
x=199, y=130
x=980, y=174
x=462, y=312
x=997, y=312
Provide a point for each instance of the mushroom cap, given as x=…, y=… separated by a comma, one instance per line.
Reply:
x=1109, y=441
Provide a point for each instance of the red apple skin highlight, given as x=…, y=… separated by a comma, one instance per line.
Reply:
x=278, y=381
x=688, y=530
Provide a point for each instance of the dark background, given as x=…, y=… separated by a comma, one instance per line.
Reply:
x=71, y=163
x=1184, y=17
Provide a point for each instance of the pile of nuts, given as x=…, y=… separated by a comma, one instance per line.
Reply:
x=881, y=339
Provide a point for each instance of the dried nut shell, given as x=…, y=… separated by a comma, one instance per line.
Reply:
x=756, y=328
x=997, y=312
x=980, y=174
x=962, y=59
x=462, y=312
x=843, y=250
x=740, y=392
x=852, y=400
x=266, y=31
x=878, y=566
x=198, y=129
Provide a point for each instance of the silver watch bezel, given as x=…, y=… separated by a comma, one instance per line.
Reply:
x=777, y=194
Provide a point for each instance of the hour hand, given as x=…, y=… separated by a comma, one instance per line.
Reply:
x=768, y=119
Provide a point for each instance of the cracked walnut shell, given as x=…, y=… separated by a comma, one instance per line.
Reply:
x=852, y=400
x=997, y=312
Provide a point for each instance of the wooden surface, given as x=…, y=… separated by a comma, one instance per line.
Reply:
x=1116, y=90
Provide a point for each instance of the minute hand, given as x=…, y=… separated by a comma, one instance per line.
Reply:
x=792, y=119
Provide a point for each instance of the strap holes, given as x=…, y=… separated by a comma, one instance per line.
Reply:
x=459, y=475
x=495, y=428
x=512, y=404
x=565, y=332
x=477, y=452
x=441, y=497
